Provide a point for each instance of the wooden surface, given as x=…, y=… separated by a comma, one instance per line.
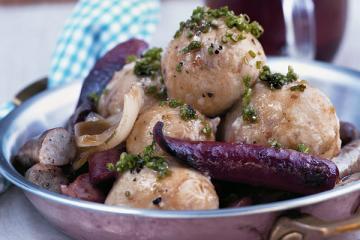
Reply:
x=28, y=36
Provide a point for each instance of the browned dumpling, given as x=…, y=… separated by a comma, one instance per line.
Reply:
x=183, y=189
x=112, y=100
x=211, y=83
x=288, y=117
x=198, y=129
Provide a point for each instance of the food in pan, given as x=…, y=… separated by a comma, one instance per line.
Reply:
x=203, y=124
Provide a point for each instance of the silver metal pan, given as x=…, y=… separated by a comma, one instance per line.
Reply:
x=312, y=217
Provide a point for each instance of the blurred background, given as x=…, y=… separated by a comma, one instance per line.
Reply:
x=29, y=30
x=326, y=30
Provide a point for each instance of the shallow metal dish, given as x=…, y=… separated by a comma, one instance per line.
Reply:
x=86, y=220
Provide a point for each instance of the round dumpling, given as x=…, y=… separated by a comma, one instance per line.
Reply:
x=297, y=116
x=146, y=72
x=179, y=122
x=205, y=69
x=183, y=189
x=112, y=100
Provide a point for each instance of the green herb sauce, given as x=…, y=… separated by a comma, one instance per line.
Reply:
x=94, y=97
x=207, y=130
x=277, y=80
x=303, y=148
x=248, y=113
x=193, y=45
x=148, y=158
x=187, y=113
x=298, y=88
x=204, y=19
x=131, y=58
x=150, y=64
x=274, y=143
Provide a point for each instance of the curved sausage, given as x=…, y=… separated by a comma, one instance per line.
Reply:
x=54, y=147
x=46, y=176
x=282, y=169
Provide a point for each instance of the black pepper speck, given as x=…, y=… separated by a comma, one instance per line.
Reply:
x=157, y=201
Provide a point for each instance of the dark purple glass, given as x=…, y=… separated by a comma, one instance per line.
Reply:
x=330, y=19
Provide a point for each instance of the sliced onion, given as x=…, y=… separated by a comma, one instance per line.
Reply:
x=115, y=134
x=95, y=131
x=93, y=117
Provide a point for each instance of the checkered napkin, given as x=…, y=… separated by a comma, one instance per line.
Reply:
x=94, y=27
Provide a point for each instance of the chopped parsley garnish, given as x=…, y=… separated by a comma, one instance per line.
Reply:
x=299, y=88
x=105, y=92
x=252, y=53
x=259, y=64
x=159, y=93
x=174, y=103
x=207, y=130
x=203, y=19
x=179, y=66
x=148, y=158
x=150, y=64
x=249, y=113
x=211, y=49
x=131, y=58
x=277, y=80
x=303, y=148
x=187, y=113
x=193, y=45
x=275, y=144
x=94, y=97
x=234, y=37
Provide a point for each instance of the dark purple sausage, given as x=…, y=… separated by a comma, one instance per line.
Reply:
x=83, y=189
x=348, y=133
x=98, y=171
x=286, y=170
x=105, y=67
x=101, y=74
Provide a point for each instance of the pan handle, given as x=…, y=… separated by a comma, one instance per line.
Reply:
x=26, y=93
x=30, y=91
x=308, y=227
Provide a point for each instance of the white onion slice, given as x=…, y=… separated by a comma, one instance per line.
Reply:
x=133, y=102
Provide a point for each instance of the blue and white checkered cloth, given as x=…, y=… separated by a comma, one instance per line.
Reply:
x=94, y=27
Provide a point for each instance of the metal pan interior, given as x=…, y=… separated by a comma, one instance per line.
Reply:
x=52, y=108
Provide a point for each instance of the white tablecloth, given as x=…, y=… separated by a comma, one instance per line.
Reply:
x=27, y=37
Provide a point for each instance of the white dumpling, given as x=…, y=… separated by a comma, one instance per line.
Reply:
x=211, y=82
x=199, y=129
x=183, y=189
x=288, y=117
